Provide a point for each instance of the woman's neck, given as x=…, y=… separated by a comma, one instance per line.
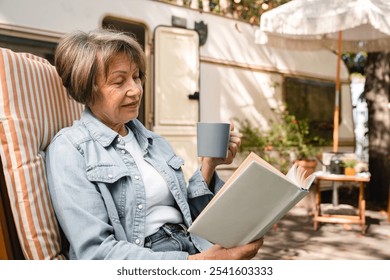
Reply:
x=123, y=131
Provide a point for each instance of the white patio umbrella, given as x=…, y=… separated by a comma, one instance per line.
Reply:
x=339, y=25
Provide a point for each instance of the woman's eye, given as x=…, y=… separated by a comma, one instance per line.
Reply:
x=118, y=82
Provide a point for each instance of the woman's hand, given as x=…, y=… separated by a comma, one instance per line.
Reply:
x=216, y=252
x=209, y=164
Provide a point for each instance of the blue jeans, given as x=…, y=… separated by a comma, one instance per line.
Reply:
x=171, y=237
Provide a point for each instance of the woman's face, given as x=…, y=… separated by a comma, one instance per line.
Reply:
x=118, y=96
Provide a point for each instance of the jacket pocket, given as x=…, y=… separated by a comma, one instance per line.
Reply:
x=106, y=173
x=114, y=180
x=176, y=162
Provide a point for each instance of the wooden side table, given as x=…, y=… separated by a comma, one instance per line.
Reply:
x=360, y=218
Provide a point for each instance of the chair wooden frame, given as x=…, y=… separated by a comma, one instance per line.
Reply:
x=9, y=242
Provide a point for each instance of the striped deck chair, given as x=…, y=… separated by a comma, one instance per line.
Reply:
x=33, y=107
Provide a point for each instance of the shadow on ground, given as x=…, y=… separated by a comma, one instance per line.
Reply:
x=294, y=238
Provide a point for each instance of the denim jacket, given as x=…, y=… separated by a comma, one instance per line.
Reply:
x=98, y=194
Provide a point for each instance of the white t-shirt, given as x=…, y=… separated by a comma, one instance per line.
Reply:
x=159, y=200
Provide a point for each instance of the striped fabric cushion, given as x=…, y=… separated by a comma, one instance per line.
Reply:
x=33, y=107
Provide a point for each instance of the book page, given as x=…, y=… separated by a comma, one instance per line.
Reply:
x=308, y=181
x=297, y=175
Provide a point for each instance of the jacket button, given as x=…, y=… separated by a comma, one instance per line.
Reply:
x=110, y=176
x=136, y=177
x=137, y=241
x=140, y=206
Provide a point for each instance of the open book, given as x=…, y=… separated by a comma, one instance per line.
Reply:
x=253, y=199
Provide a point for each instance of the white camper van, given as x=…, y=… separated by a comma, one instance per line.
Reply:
x=200, y=66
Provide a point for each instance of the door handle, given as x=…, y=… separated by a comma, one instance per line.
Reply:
x=194, y=96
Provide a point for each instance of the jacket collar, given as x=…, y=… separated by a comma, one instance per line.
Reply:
x=105, y=135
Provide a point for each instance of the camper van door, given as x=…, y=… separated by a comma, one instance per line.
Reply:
x=176, y=90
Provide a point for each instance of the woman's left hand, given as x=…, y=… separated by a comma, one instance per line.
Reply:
x=209, y=164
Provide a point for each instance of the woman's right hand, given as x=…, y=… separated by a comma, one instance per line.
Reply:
x=217, y=252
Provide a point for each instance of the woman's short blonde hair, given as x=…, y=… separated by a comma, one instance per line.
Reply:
x=80, y=55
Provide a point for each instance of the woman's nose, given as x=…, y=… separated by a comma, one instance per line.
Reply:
x=133, y=92
x=133, y=89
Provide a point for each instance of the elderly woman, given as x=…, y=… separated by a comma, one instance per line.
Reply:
x=117, y=188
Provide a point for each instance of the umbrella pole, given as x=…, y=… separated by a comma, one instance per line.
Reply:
x=337, y=98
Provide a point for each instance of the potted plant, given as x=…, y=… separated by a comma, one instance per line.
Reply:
x=293, y=137
x=288, y=140
x=349, y=166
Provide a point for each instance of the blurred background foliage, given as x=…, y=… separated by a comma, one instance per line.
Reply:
x=246, y=10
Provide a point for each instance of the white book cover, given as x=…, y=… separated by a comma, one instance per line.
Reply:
x=254, y=198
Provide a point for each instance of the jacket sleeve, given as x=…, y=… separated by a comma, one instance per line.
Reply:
x=81, y=211
x=199, y=193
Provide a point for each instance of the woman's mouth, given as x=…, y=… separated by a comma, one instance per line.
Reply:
x=132, y=104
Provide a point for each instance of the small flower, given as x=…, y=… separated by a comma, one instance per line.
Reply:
x=268, y=148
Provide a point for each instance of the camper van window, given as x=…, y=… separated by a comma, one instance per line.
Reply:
x=135, y=29
x=40, y=48
x=312, y=100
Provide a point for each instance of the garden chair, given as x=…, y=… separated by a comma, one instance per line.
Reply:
x=33, y=107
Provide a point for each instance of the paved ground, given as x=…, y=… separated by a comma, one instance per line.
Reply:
x=294, y=238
